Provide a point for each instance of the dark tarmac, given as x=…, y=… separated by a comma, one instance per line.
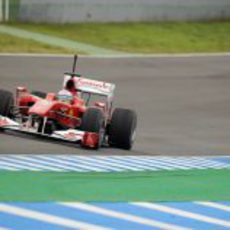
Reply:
x=183, y=103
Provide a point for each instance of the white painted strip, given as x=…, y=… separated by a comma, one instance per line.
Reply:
x=108, y=161
x=152, y=165
x=77, y=167
x=47, y=218
x=134, y=165
x=41, y=165
x=163, y=164
x=85, y=162
x=139, y=162
x=183, y=162
x=6, y=167
x=214, y=205
x=122, y=164
x=178, y=55
x=123, y=216
x=207, y=162
x=183, y=213
x=19, y=167
x=180, y=163
x=159, y=164
x=24, y=163
x=1, y=228
x=105, y=163
x=64, y=165
x=52, y=166
x=195, y=163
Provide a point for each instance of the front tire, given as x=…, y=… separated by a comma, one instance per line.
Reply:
x=122, y=128
x=93, y=121
x=7, y=102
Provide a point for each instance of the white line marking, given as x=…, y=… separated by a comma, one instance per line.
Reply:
x=47, y=218
x=120, y=164
x=25, y=164
x=106, y=163
x=1, y=228
x=85, y=162
x=123, y=216
x=81, y=165
x=66, y=166
x=183, y=213
x=31, y=161
x=19, y=167
x=52, y=166
x=214, y=205
x=176, y=55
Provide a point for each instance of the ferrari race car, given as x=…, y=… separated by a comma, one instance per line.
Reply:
x=88, y=118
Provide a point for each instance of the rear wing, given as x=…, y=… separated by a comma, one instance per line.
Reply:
x=91, y=86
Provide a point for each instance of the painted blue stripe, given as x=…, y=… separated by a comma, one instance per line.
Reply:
x=225, y=203
x=64, y=165
x=157, y=215
x=225, y=160
x=200, y=209
x=14, y=222
x=80, y=215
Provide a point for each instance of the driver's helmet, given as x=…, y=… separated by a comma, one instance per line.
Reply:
x=65, y=96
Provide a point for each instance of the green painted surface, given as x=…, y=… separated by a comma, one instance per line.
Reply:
x=55, y=41
x=132, y=186
x=145, y=38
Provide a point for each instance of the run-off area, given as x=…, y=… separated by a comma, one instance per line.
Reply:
x=132, y=215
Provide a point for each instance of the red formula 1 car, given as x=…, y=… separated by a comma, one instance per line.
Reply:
x=86, y=117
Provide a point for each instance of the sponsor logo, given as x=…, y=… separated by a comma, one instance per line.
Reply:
x=72, y=136
x=103, y=86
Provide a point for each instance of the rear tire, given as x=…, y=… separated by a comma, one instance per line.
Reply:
x=93, y=121
x=6, y=104
x=39, y=94
x=122, y=128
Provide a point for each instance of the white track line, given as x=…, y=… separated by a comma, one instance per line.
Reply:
x=122, y=163
x=23, y=163
x=51, y=166
x=47, y=218
x=178, y=212
x=31, y=161
x=122, y=216
x=214, y=205
x=85, y=162
x=177, y=55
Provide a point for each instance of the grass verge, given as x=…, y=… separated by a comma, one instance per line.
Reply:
x=11, y=44
x=157, y=37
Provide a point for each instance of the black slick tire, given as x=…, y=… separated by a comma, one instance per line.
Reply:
x=6, y=103
x=122, y=128
x=93, y=121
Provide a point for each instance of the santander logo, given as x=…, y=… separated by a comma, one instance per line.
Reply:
x=81, y=82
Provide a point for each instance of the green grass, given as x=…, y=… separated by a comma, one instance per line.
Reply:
x=13, y=44
x=179, y=185
x=158, y=37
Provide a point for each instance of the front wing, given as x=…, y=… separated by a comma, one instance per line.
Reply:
x=86, y=139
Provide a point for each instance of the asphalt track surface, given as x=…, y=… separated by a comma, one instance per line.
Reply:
x=183, y=103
